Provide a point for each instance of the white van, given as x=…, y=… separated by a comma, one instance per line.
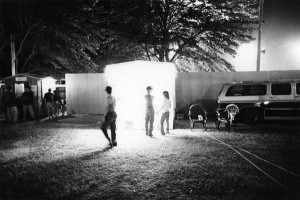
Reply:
x=261, y=100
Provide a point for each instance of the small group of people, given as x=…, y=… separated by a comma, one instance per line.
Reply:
x=111, y=115
x=9, y=104
x=53, y=104
x=149, y=118
x=12, y=105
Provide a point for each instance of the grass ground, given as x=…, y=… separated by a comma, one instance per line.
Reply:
x=70, y=159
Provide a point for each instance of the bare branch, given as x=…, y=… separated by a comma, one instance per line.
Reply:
x=33, y=52
x=3, y=46
x=25, y=37
x=174, y=57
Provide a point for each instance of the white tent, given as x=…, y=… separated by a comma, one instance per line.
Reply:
x=129, y=81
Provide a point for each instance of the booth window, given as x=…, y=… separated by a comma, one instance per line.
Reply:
x=60, y=82
x=61, y=91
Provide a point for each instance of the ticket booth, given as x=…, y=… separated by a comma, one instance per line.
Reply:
x=129, y=81
x=38, y=86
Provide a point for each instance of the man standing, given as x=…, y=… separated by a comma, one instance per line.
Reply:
x=149, y=118
x=165, y=112
x=110, y=117
x=10, y=106
x=57, y=102
x=28, y=102
x=48, y=99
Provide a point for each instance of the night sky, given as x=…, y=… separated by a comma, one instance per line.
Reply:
x=280, y=39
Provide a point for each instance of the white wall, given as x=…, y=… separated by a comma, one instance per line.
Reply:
x=85, y=93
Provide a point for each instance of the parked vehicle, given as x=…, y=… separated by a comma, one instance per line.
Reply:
x=262, y=100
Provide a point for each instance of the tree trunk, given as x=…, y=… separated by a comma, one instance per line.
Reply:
x=13, y=55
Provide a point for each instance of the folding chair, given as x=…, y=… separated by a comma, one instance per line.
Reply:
x=228, y=116
x=197, y=113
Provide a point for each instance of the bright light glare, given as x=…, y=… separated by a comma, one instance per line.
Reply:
x=246, y=58
x=295, y=51
x=129, y=81
x=48, y=82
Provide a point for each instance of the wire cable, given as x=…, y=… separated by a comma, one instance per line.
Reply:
x=258, y=168
x=291, y=173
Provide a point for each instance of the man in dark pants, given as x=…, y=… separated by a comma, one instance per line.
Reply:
x=110, y=118
x=48, y=99
x=149, y=118
x=10, y=105
x=28, y=102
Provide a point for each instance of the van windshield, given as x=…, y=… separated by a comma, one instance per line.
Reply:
x=247, y=90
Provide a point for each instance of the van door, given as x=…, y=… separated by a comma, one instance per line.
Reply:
x=297, y=99
x=281, y=102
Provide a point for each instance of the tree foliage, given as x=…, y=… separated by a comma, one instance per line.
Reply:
x=58, y=37
x=85, y=35
x=199, y=32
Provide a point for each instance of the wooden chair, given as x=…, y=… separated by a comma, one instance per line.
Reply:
x=228, y=116
x=197, y=113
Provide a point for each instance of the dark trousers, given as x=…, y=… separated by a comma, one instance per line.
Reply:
x=110, y=120
x=149, y=119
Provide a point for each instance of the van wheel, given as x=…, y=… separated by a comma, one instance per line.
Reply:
x=250, y=116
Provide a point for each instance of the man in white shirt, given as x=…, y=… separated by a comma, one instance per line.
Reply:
x=110, y=117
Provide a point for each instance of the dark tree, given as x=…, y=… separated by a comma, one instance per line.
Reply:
x=53, y=36
x=192, y=32
x=58, y=37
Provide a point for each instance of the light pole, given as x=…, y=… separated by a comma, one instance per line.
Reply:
x=260, y=14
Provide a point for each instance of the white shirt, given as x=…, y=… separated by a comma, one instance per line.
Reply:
x=111, y=103
x=166, y=105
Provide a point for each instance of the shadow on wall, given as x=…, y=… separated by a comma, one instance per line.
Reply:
x=210, y=98
x=208, y=101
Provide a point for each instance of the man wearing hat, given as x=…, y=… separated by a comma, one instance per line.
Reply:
x=110, y=117
x=49, y=103
x=149, y=118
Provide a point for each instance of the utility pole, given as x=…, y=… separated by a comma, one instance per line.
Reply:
x=13, y=55
x=260, y=14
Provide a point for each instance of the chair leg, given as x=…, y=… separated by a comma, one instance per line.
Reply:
x=228, y=125
x=218, y=124
x=204, y=125
x=234, y=125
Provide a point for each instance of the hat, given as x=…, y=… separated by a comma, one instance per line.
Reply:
x=149, y=88
x=108, y=89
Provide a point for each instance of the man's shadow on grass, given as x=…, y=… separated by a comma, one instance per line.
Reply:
x=95, y=153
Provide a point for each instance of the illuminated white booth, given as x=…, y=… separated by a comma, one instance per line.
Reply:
x=129, y=81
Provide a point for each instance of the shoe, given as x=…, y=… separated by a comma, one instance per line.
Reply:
x=163, y=133
x=110, y=144
x=114, y=143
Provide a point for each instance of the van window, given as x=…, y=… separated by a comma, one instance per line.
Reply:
x=298, y=88
x=281, y=89
x=246, y=90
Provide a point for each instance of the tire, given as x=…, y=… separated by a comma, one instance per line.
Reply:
x=250, y=116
